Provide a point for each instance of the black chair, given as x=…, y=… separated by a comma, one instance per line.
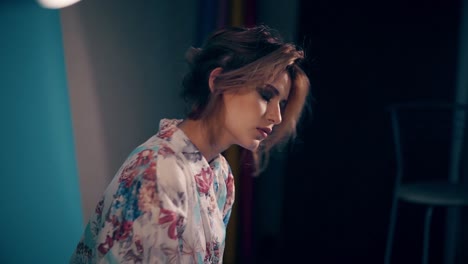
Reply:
x=434, y=133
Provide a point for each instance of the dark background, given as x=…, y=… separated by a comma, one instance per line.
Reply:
x=362, y=56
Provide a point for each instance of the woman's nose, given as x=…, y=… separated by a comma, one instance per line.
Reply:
x=274, y=114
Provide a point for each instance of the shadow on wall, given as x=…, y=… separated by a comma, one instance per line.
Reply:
x=125, y=70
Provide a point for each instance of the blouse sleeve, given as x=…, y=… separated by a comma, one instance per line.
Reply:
x=142, y=218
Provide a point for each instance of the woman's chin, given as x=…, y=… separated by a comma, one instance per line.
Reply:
x=252, y=146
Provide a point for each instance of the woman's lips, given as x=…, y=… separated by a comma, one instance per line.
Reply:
x=264, y=131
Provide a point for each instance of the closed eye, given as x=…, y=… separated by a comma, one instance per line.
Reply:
x=265, y=93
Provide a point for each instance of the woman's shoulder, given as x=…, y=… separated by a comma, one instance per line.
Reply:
x=155, y=161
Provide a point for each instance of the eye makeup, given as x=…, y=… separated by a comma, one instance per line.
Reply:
x=268, y=92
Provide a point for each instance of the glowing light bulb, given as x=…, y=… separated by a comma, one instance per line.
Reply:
x=55, y=4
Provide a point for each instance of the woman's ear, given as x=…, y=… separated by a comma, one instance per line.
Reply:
x=214, y=73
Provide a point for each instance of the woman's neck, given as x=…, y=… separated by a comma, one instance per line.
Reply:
x=197, y=132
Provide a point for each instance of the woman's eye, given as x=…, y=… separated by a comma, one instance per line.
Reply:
x=266, y=95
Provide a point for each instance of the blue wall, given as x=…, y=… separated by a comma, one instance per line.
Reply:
x=40, y=207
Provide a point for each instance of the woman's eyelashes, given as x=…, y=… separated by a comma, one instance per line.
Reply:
x=265, y=93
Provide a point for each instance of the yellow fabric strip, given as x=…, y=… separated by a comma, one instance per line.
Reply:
x=232, y=155
x=237, y=15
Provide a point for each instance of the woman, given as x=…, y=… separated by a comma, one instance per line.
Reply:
x=171, y=200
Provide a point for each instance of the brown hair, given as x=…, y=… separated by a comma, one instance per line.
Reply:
x=249, y=57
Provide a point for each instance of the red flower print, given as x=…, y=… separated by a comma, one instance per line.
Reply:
x=230, y=182
x=204, y=180
x=150, y=172
x=123, y=231
x=168, y=216
x=128, y=174
x=104, y=247
x=166, y=133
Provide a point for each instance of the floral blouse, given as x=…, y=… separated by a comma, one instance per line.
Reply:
x=166, y=204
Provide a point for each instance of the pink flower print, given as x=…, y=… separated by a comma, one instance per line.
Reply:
x=168, y=216
x=165, y=151
x=166, y=133
x=144, y=157
x=230, y=182
x=123, y=231
x=204, y=179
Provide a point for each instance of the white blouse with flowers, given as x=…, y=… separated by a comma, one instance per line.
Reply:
x=166, y=204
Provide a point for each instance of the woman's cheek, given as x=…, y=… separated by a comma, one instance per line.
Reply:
x=263, y=106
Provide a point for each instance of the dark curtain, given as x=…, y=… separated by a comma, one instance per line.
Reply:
x=362, y=55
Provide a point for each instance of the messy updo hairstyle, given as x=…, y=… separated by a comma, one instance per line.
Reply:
x=249, y=58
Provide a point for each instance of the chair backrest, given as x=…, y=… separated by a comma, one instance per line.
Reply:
x=428, y=140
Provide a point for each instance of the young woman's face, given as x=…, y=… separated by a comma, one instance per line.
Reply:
x=251, y=116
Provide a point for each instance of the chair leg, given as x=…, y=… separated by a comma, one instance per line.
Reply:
x=427, y=230
x=391, y=232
